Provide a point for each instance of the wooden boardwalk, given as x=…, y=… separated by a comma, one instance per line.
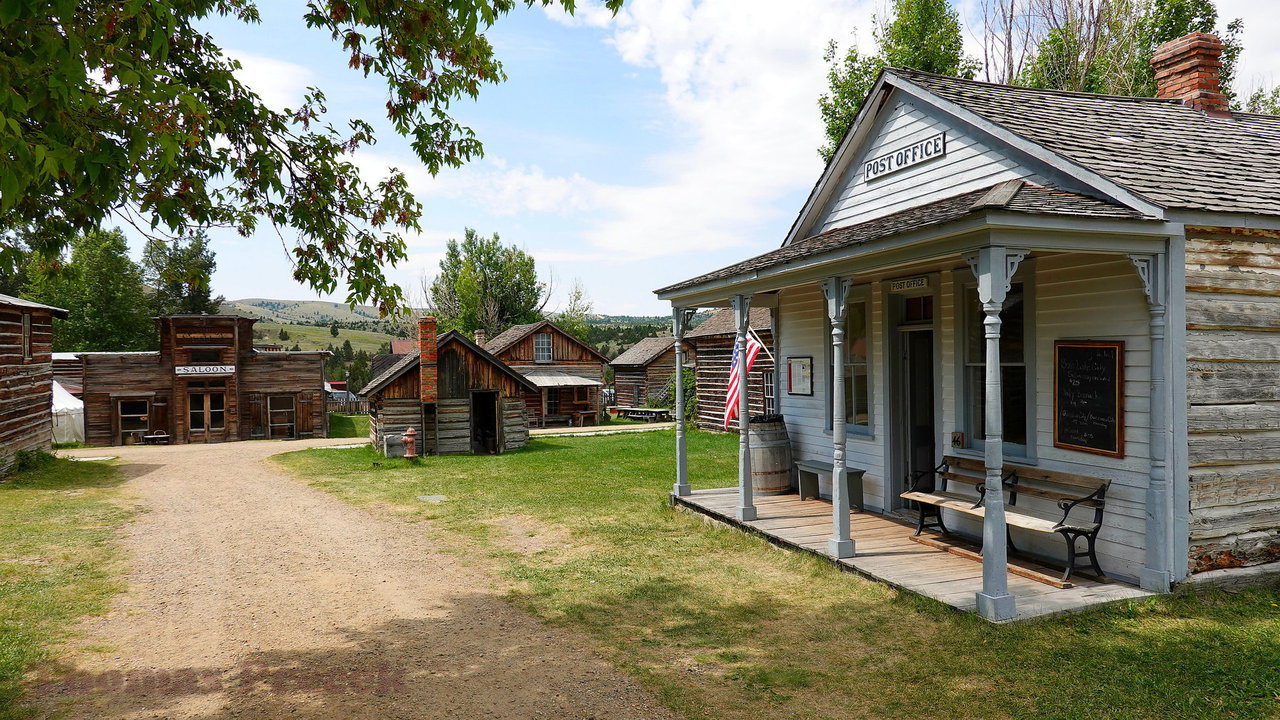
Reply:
x=885, y=552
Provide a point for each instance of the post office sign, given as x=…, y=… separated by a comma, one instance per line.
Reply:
x=914, y=154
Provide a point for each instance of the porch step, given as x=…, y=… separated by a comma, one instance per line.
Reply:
x=1018, y=567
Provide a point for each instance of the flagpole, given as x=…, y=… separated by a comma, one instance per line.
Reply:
x=763, y=346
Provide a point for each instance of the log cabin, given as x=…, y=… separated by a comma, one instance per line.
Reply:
x=1034, y=286
x=642, y=373
x=568, y=373
x=206, y=384
x=457, y=397
x=711, y=343
x=26, y=377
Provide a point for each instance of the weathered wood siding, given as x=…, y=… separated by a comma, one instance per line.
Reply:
x=715, y=357
x=638, y=385
x=394, y=416
x=1233, y=388
x=300, y=376
x=26, y=385
x=568, y=355
x=969, y=164
x=109, y=377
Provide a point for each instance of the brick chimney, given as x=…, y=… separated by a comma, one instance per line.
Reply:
x=428, y=381
x=1187, y=70
x=481, y=337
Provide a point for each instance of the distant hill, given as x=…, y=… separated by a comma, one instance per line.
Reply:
x=299, y=312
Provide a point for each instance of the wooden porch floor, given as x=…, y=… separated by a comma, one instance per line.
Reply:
x=885, y=552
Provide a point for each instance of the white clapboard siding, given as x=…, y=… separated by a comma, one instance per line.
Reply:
x=1076, y=297
x=968, y=165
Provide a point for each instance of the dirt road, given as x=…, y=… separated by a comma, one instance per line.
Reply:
x=253, y=596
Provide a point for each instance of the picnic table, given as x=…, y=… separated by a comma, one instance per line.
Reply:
x=649, y=414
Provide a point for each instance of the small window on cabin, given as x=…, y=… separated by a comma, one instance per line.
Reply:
x=770, y=393
x=205, y=356
x=26, y=336
x=542, y=347
x=135, y=420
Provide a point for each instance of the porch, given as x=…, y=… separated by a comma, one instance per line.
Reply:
x=886, y=553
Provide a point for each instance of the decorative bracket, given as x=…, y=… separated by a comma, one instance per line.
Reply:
x=994, y=268
x=836, y=290
x=1148, y=267
x=680, y=319
x=741, y=312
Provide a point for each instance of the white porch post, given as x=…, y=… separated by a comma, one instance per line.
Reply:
x=994, y=268
x=1157, y=574
x=840, y=545
x=680, y=318
x=746, y=506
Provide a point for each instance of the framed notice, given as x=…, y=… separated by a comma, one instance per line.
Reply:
x=800, y=375
x=1088, y=396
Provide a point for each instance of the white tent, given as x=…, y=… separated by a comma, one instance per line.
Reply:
x=68, y=416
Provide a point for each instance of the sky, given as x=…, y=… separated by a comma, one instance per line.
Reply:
x=627, y=152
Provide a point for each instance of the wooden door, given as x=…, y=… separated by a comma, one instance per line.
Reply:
x=207, y=416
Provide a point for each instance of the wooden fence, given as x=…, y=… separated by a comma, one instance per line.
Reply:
x=348, y=407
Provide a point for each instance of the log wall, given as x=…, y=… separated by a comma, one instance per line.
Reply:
x=715, y=357
x=568, y=355
x=26, y=384
x=639, y=385
x=1233, y=388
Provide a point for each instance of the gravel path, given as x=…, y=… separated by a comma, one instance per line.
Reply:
x=253, y=596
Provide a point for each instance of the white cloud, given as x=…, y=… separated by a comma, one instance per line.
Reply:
x=279, y=83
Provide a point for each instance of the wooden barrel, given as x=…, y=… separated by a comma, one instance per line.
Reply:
x=770, y=455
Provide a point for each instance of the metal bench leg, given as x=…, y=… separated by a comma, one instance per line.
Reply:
x=1071, y=554
x=1093, y=556
x=1008, y=538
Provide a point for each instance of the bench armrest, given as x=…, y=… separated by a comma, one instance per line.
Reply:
x=918, y=477
x=1066, y=505
x=1010, y=481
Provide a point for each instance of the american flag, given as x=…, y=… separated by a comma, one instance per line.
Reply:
x=731, y=398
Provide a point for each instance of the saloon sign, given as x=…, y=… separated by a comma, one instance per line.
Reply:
x=204, y=370
x=927, y=149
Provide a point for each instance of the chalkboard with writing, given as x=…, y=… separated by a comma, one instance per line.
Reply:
x=1088, y=396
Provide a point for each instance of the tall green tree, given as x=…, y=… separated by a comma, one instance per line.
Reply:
x=485, y=285
x=920, y=34
x=131, y=108
x=572, y=318
x=179, y=274
x=101, y=288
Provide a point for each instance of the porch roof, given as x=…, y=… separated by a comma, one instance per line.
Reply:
x=556, y=378
x=1014, y=196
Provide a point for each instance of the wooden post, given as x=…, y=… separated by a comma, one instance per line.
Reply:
x=840, y=545
x=1157, y=574
x=680, y=318
x=994, y=268
x=746, y=506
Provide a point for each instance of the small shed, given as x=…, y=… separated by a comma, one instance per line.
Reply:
x=457, y=397
x=711, y=344
x=642, y=372
x=26, y=377
x=546, y=354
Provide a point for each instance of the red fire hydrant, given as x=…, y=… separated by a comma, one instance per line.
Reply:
x=410, y=444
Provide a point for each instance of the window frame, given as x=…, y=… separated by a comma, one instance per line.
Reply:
x=538, y=348
x=27, y=353
x=966, y=407
x=859, y=294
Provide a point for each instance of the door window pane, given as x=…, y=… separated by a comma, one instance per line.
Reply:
x=857, y=388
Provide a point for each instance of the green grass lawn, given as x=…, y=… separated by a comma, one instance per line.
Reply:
x=58, y=562
x=722, y=625
x=348, y=426
x=311, y=337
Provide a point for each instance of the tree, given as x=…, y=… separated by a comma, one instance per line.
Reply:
x=922, y=35
x=132, y=109
x=1264, y=101
x=485, y=285
x=101, y=288
x=283, y=335
x=179, y=273
x=358, y=372
x=572, y=318
x=348, y=353
x=333, y=329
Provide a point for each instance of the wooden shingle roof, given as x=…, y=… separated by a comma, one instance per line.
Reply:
x=645, y=351
x=724, y=323
x=1168, y=153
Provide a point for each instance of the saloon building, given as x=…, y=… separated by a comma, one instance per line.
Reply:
x=207, y=383
x=1041, y=321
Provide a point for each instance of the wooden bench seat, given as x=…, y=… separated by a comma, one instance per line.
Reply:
x=1065, y=490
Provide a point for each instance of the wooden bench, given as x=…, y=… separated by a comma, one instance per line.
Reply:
x=808, y=472
x=1065, y=490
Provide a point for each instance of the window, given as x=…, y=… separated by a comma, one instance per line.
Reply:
x=1013, y=370
x=280, y=416
x=857, y=385
x=542, y=347
x=917, y=310
x=553, y=401
x=205, y=356
x=770, y=393
x=135, y=420
x=26, y=336
x=207, y=410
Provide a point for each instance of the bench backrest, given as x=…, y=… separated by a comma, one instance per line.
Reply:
x=1037, y=482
